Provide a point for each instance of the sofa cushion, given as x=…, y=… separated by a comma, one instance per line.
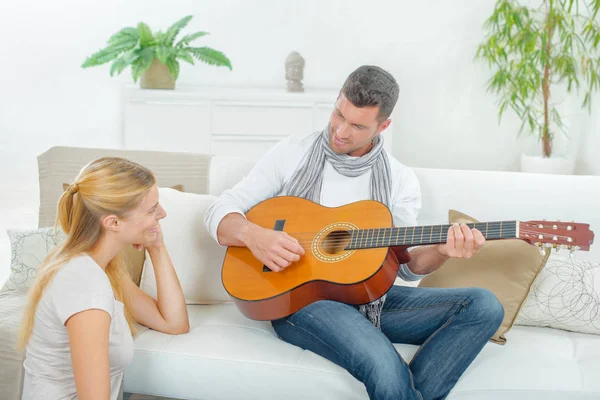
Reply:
x=29, y=248
x=228, y=356
x=505, y=267
x=62, y=164
x=565, y=295
x=197, y=258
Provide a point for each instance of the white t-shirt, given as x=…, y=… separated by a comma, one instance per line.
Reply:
x=79, y=285
x=273, y=171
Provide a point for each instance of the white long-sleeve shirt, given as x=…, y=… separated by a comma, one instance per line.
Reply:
x=271, y=173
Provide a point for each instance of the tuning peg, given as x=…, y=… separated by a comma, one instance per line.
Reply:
x=542, y=251
x=571, y=253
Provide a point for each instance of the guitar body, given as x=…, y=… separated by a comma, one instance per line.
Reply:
x=325, y=272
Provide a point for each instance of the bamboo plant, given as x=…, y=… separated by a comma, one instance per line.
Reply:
x=533, y=48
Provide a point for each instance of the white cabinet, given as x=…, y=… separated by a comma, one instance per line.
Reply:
x=243, y=122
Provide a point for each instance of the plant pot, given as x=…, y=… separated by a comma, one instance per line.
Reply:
x=558, y=165
x=157, y=76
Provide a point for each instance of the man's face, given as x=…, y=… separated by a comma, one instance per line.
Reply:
x=352, y=128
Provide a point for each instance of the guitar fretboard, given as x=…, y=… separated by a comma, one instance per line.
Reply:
x=423, y=235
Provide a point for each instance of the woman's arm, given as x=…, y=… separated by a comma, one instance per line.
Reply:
x=168, y=313
x=88, y=338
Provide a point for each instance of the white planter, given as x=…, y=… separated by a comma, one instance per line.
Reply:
x=558, y=165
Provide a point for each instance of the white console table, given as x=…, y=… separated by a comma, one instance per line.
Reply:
x=243, y=122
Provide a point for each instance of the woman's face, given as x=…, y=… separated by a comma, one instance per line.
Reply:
x=141, y=224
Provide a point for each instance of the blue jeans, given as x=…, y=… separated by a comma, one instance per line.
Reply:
x=450, y=325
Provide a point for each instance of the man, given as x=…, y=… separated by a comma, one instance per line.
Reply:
x=346, y=163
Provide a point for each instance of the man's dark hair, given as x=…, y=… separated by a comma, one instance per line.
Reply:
x=370, y=85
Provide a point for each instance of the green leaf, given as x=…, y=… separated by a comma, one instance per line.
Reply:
x=173, y=66
x=188, y=38
x=185, y=55
x=587, y=102
x=146, y=37
x=117, y=66
x=101, y=57
x=125, y=35
x=210, y=56
x=174, y=30
x=137, y=70
x=556, y=117
x=162, y=53
x=146, y=56
x=123, y=61
x=160, y=38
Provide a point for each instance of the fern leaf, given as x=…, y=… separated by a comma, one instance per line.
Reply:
x=210, y=56
x=173, y=67
x=146, y=57
x=160, y=38
x=184, y=54
x=163, y=53
x=125, y=35
x=146, y=37
x=174, y=30
x=137, y=70
x=188, y=38
x=117, y=66
x=101, y=57
x=123, y=61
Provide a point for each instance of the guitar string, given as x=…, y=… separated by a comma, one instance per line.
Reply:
x=426, y=230
x=509, y=235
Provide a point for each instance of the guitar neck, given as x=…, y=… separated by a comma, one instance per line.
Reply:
x=423, y=235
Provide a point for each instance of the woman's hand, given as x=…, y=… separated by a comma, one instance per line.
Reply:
x=168, y=312
x=155, y=243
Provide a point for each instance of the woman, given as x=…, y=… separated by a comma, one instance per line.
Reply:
x=78, y=324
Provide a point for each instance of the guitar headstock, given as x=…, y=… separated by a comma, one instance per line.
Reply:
x=556, y=234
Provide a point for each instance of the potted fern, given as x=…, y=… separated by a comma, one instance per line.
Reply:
x=154, y=56
x=535, y=52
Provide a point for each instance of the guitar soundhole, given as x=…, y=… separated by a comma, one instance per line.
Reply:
x=335, y=242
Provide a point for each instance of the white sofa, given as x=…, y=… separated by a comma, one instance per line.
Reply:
x=227, y=356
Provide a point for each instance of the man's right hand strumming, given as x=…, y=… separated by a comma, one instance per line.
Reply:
x=277, y=250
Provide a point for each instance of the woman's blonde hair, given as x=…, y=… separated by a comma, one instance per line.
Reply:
x=106, y=186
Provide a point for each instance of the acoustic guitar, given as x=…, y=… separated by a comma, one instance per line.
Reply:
x=348, y=253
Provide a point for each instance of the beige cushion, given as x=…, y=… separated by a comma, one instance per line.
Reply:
x=197, y=258
x=176, y=187
x=505, y=267
x=62, y=164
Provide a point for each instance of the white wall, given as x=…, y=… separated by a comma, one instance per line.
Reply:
x=444, y=117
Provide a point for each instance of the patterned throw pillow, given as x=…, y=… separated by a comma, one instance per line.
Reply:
x=28, y=249
x=565, y=295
